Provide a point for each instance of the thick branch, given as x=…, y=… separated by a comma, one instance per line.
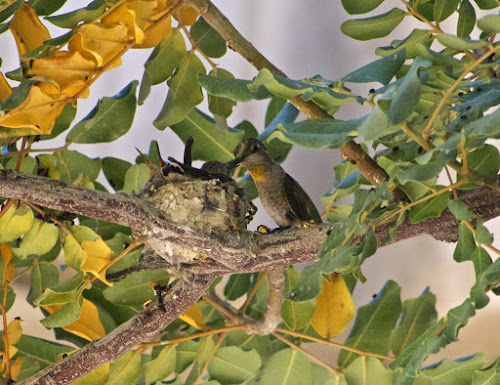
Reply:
x=351, y=150
x=125, y=337
x=123, y=209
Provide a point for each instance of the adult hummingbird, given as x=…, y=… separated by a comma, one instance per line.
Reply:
x=282, y=197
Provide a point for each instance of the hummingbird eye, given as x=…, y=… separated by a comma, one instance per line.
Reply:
x=255, y=147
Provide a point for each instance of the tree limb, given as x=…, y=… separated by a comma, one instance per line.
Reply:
x=127, y=336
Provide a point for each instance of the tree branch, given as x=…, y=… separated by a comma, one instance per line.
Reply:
x=146, y=324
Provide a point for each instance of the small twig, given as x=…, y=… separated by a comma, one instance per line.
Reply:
x=220, y=308
x=212, y=332
x=334, y=344
x=207, y=362
x=311, y=357
x=449, y=91
x=255, y=287
x=195, y=47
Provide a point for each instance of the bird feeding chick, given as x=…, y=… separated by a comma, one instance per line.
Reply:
x=282, y=197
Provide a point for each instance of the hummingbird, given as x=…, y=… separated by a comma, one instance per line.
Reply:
x=282, y=197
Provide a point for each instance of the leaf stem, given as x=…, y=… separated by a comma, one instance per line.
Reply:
x=178, y=340
x=311, y=357
x=334, y=344
x=446, y=96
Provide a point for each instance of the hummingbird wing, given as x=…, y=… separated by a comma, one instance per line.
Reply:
x=300, y=204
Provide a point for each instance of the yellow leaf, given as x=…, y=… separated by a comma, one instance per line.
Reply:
x=334, y=307
x=14, y=331
x=124, y=16
x=194, y=317
x=186, y=15
x=8, y=264
x=15, y=369
x=96, y=255
x=27, y=29
x=99, y=43
x=5, y=88
x=37, y=113
x=88, y=326
x=147, y=12
x=70, y=70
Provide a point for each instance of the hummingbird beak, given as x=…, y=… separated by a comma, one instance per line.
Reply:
x=236, y=161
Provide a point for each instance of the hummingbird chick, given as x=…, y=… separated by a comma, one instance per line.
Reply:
x=282, y=197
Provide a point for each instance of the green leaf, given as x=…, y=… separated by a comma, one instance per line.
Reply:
x=486, y=127
x=45, y=7
x=184, y=92
x=489, y=277
x=210, y=142
x=459, y=210
x=10, y=9
x=355, y=7
x=125, y=370
x=287, y=367
x=317, y=133
x=465, y=244
x=466, y=18
x=18, y=95
x=483, y=235
x=162, y=365
x=485, y=160
x=373, y=27
x=431, y=208
x=161, y=64
x=486, y=4
x=110, y=119
x=456, y=319
x=43, y=275
x=418, y=315
x=62, y=122
x=297, y=315
x=410, y=43
x=66, y=315
x=460, y=43
x=456, y=372
x=135, y=289
x=44, y=351
x=135, y=179
x=374, y=324
x=15, y=222
x=72, y=19
x=186, y=354
x=234, y=89
x=63, y=292
x=487, y=376
x=236, y=286
x=231, y=365
x=368, y=370
x=218, y=105
x=444, y=8
x=28, y=166
x=114, y=170
x=39, y=240
x=419, y=172
x=406, y=97
x=381, y=70
x=72, y=165
x=489, y=23
x=481, y=260
x=208, y=39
